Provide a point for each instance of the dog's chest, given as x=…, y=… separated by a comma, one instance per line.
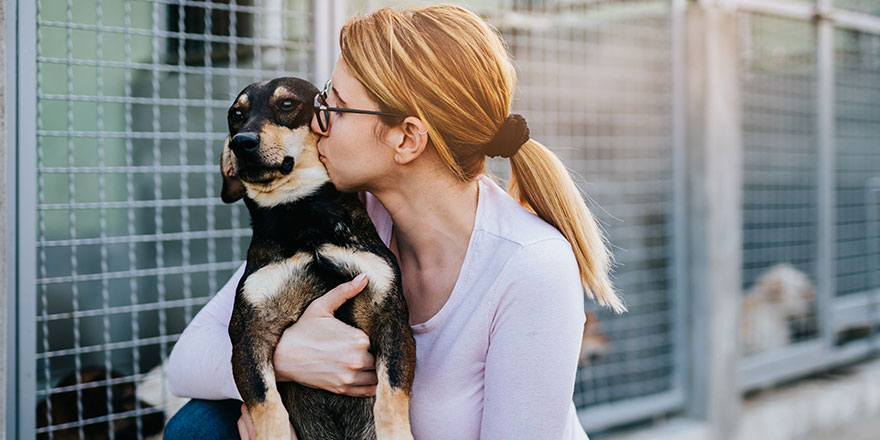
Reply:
x=309, y=273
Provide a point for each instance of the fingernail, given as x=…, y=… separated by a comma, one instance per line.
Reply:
x=359, y=278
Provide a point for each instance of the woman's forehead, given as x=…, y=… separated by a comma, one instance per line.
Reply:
x=347, y=87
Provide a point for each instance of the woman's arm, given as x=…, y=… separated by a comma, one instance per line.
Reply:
x=319, y=350
x=200, y=364
x=535, y=337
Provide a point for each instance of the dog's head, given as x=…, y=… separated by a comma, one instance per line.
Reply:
x=786, y=288
x=271, y=154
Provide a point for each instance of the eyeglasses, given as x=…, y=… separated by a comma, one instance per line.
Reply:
x=323, y=111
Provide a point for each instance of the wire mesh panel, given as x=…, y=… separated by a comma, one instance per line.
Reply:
x=595, y=86
x=132, y=237
x=780, y=194
x=866, y=6
x=857, y=121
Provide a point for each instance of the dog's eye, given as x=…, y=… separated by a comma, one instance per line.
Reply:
x=236, y=114
x=287, y=105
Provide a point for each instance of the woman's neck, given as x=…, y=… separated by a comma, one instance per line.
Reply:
x=433, y=216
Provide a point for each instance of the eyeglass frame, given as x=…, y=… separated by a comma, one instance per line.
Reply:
x=324, y=124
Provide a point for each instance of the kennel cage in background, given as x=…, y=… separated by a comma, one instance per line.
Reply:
x=810, y=88
x=125, y=102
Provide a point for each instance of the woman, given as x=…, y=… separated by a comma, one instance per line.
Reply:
x=495, y=292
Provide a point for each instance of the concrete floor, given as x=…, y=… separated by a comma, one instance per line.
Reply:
x=866, y=430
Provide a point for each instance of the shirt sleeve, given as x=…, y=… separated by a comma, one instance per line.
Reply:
x=534, y=340
x=200, y=365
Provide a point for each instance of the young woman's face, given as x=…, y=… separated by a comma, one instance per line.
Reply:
x=350, y=150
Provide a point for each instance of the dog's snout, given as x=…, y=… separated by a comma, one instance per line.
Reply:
x=244, y=143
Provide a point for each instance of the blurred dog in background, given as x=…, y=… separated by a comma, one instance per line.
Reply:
x=93, y=403
x=594, y=344
x=778, y=306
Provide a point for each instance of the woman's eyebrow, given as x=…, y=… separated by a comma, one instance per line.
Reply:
x=336, y=92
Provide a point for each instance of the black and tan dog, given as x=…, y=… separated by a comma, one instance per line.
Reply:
x=307, y=238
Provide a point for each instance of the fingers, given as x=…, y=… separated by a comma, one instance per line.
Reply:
x=333, y=299
x=365, y=378
x=246, y=425
x=242, y=430
x=358, y=384
x=361, y=391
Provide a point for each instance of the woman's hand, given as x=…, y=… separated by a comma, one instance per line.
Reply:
x=322, y=352
x=246, y=426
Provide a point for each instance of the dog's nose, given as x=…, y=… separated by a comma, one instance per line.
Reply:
x=244, y=143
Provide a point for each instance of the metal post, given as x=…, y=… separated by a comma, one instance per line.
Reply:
x=872, y=233
x=679, y=273
x=24, y=295
x=323, y=42
x=826, y=166
x=714, y=149
x=272, y=31
x=6, y=240
x=340, y=14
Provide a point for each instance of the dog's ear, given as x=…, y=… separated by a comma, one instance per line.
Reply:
x=233, y=190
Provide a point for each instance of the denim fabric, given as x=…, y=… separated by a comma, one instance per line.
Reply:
x=205, y=420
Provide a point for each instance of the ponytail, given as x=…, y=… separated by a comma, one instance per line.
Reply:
x=541, y=183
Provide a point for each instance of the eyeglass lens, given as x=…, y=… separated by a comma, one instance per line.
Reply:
x=321, y=110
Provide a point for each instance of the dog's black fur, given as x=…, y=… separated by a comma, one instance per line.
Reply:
x=315, y=238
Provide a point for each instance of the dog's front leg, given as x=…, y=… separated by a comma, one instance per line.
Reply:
x=252, y=353
x=395, y=366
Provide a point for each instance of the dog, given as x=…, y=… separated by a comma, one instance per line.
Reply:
x=778, y=305
x=594, y=344
x=308, y=237
x=92, y=402
x=153, y=390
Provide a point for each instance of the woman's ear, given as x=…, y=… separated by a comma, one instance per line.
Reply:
x=409, y=140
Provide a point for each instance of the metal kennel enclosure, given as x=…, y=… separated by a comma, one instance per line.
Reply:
x=116, y=236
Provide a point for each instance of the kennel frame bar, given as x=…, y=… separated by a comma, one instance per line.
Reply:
x=21, y=138
x=827, y=151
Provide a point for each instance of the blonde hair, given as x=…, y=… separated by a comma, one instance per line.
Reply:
x=451, y=69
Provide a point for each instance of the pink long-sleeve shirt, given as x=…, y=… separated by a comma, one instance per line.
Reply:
x=498, y=361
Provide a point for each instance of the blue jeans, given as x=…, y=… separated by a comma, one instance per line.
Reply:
x=205, y=420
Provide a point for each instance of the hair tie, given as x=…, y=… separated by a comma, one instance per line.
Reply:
x=511, y=136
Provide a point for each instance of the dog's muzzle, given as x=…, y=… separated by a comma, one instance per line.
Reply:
x=246, y=148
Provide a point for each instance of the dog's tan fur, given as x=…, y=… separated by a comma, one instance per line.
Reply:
x=380, y=276
x=391, y=410
x=264, y=284
x=271, y=416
